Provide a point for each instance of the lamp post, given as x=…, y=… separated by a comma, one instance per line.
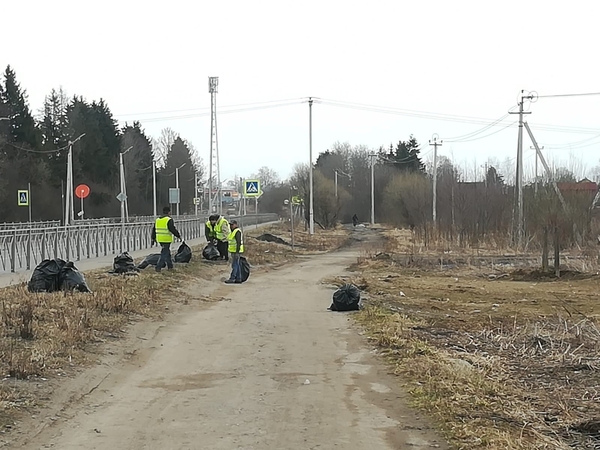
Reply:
x=177, y=186
x=69, y=207
x=124, y=207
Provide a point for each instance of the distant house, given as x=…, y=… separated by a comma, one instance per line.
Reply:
x=584, y=186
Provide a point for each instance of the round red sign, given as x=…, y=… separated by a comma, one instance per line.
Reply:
x=82, y=191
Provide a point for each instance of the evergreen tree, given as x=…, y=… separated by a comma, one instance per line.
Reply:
x=54, y=129
x=138, y=169
x=179, y=155
x=406, y=156
x=22, y=123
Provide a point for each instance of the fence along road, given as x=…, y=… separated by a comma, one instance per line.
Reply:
x=24, y=248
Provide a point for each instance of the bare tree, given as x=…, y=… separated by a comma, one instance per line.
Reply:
x=268, y=178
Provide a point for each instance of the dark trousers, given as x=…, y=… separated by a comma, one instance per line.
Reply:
x=165, y=257
x=236, y=268
x=223, y=249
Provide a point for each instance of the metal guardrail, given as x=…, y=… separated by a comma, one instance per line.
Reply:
x=23, y=249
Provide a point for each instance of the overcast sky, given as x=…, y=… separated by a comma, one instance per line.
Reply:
x=456, y=58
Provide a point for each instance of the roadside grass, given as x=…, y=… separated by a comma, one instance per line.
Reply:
x=48, y=335
x=499, y=362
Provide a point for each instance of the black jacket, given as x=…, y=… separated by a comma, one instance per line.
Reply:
x=170, y=226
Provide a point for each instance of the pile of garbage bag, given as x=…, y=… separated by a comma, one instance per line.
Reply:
x=210, y=252
x=183, y=255
x=123, y=263
x=53, y=275
x=346, y=298
x=244, y=268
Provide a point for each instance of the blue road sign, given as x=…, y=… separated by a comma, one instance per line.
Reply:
x=23, y=198
x=252, y=188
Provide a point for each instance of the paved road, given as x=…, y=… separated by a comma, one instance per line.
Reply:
x=233, y=376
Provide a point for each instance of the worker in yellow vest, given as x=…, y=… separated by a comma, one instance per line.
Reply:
x=236, y=248
x=217, y=230
x=163, y=232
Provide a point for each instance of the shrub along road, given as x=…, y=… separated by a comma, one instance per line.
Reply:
x=234, y=376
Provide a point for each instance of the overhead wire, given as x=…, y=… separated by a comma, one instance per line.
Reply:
x=207, y=108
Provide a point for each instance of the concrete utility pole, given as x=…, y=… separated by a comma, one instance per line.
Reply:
x=336, y=172
x=519, y=178
x=536, y=167
x=177, y=187
x=372, y=156
x=435, y=144
x=196, y=193
x=69, y=207
x=154, y=186
x=311, y=214
x=124, y=208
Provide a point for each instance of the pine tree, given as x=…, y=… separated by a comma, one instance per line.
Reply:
x=406, y=156
x=138, y=169
x=179, y=155
x=22, y=123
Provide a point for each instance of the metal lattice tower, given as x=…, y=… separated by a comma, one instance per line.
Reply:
x=214, y=175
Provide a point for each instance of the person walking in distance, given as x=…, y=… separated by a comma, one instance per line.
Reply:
x=236, y=248
x=217, y=230
x=162, y=233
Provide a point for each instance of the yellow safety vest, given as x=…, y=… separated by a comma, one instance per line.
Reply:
x=233, y=243
x=217, y=230
x=163, y=235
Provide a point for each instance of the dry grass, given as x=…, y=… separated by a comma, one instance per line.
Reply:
x=506, y=362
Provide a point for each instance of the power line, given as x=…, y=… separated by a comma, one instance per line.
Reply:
x=205, y=114
x=451, y=117
x=208, y=109
x=585, y=94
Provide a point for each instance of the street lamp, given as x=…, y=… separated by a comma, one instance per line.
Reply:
x=124, y=206
x=4, y=118
x=69, y=207
x=177, y=186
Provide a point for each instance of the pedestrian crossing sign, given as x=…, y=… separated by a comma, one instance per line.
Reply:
x=23, y=198
x=252, y=188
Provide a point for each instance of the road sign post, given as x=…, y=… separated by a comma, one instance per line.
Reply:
x=252, y=188
x=24, y=198
x=82, y=191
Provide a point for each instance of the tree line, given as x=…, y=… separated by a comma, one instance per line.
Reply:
x=469, y=212
x=34, y=147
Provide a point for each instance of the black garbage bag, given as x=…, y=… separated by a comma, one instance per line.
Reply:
x=268, y=237
x=184, y=254
x=210, y=252
x=346, y=298
x=244, y=268
x=46, y=276
x=123, y=263
x=72, y=279
x=150, y=260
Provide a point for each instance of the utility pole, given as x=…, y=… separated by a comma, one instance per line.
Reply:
x=335, y=177
x=124, y=209
x=311, y=214
x=214, y=175
x=177, y=187
x=519, y=178
x=196, y=193
x=372, y=157
x=435, y=144
x=69, y=207
x=154, y=186
x=536, y=168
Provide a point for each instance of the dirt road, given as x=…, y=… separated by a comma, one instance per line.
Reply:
x=233, y=376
